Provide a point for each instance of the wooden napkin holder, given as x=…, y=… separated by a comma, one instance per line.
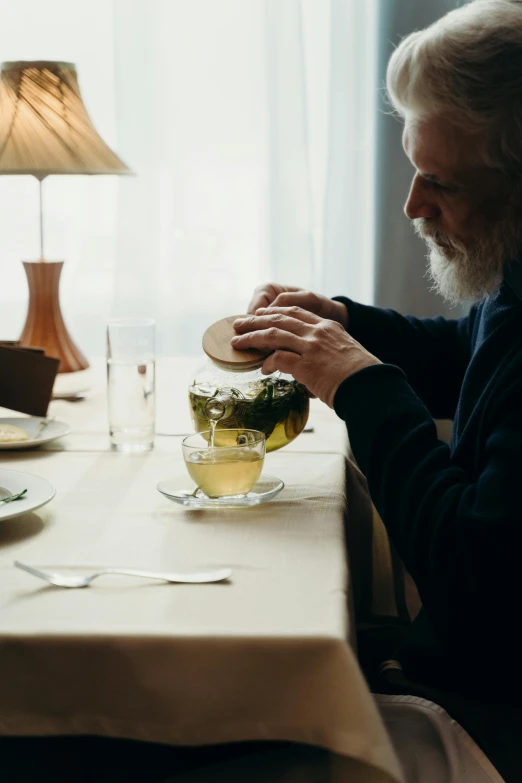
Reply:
x=27, y=378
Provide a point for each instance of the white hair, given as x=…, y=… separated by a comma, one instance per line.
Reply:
x=467, y=67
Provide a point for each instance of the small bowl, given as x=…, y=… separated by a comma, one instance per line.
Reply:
x=229, y=468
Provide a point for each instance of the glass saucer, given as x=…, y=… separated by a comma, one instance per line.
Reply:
x=266, y=488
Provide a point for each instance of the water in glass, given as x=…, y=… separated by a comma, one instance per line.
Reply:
x=131, y=404
x=131, y=383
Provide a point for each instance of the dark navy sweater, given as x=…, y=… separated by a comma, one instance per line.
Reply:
x=453, y=513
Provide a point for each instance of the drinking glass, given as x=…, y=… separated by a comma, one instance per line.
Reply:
x=229, y=470
x=131, y=383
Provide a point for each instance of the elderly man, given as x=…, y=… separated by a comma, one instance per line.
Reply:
x=454, y=513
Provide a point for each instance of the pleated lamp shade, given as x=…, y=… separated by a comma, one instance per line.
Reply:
x=44, y=126
x=45, y=129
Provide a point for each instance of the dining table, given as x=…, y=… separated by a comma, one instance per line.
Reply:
x=269, y=655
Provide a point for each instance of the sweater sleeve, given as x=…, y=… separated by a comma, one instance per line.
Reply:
x=432, y=352
x=458, y=532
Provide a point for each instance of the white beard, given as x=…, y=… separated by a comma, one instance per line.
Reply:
x=461, y=273
x=464, y=279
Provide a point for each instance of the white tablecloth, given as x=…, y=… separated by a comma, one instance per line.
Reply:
x=268, y=656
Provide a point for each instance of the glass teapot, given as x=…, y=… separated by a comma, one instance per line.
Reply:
x=274, y=404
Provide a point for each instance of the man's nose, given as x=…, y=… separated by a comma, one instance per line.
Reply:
x=420, y=202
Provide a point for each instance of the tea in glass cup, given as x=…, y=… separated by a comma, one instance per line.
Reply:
x=230, y=470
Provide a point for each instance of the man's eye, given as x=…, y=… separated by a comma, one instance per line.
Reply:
x=445, y=188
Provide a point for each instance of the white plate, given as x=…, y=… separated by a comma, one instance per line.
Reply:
x=39, y=492
x=266, y=488
x=53, y=430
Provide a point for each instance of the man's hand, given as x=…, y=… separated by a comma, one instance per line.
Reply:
x=275, y=295
x=318, y=352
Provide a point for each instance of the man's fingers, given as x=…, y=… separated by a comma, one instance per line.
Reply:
x=267, y=293
x=278, y=320
x=287, y=362
x=272, y=339
x=284, y=361
x=294, y=312
x=305, y=299
x=261, y=299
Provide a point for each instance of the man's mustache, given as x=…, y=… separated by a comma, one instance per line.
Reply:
x=427, y=231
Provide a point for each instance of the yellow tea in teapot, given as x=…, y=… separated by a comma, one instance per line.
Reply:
x=273, y=405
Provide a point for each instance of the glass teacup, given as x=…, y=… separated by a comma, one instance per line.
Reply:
x=228, y=470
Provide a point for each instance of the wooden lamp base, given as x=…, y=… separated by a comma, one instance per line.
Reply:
x=44, y=324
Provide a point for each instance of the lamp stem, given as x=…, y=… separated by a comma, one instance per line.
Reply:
x=41, y=221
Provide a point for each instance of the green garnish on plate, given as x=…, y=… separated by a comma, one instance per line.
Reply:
x=10, y=498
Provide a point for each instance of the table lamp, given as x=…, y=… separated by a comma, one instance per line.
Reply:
x=45, y=129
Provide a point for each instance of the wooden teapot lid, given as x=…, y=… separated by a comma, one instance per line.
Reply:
x=216, y=344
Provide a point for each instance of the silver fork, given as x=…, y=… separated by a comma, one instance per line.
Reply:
x=183, y=577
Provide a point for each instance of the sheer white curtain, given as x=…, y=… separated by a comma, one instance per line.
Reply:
x=249, y=126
